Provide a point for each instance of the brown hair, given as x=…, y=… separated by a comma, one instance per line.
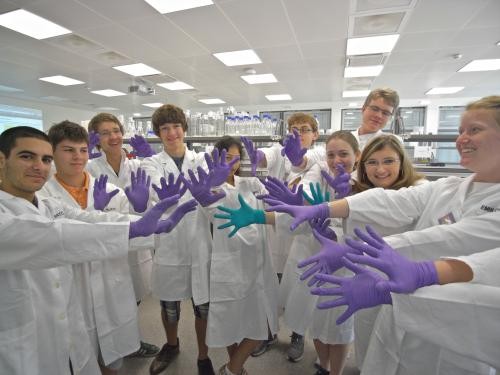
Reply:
x=9, y=137
x=488, y=102
x=168, y=114
x=302, y=118
x=104, y=117
x=390, y=96
x=407, y=173
x=67, y=130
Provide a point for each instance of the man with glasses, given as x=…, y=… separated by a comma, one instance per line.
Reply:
x=380, y=105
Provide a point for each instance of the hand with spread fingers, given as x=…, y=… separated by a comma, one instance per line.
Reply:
x=165, y=226
x=138, y=191
x=357, y=292
x=341, y=183
x=280, y=191
x=300, y=213
x=317, y=195
x=201, y=188
x=322, y=226
x=100, y=195
x=142, y=148
x=293, y=149
x=170, y=188
x=93, y=142
x=218, y=168
x=405, y=275
x=240, y=217
x=149, y=223
x=256, y=156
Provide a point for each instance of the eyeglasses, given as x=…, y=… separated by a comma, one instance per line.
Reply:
x=303, y=130
x=372, y=163
x=376, y=109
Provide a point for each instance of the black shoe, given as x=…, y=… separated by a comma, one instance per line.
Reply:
x=205, y=367
x=166, y=355
x=264, y=346
x=322, y=371
x=145, y=351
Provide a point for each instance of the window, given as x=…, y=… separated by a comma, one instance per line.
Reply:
x=11, y=116
x=449, y=121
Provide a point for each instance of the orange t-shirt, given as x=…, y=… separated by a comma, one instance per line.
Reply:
x=79, y=194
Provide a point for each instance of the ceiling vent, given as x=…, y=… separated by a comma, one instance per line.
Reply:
x=112, y=58
x=388, y=23
x=366, y=60
x=371, y=5
x=77, y=44
x=141, y=90
x=359, y=83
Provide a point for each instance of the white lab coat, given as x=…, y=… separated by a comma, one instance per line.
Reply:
x=243, y=284
x=299, y=304
x=470, y=221
x=31, y=324
x=104, y=287
x=141, y=261
x=365, y=138
x=181, y=259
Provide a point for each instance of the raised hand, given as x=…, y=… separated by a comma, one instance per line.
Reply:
x=167, y=190
x=327, y=260
x=138, y=191
x=141, y=147
x=280, y=191
x=200, y=188
x=93, y=142
x=148, y=224
x=218, y=169
x=165, y=226
x=322, y=226
x=357, y=292
x=292, y=148
x=300, y=213
x=100, y=195
x=317, y=196
x=241, y=217
x=405, y=275
x=341, y=183
x=255, y=155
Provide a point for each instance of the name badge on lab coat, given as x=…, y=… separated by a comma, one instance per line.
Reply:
x=447, y=219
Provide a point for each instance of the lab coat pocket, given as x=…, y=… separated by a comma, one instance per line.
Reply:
x=227, y=277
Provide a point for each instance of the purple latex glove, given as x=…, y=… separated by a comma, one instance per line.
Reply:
x=292, y=149
x=300, y=213
x=171, y=188
x=138, y=191
x=405, y=275
x=322, y=226
x=101, y=196
x=341, y=183
x=357, y=292
x=327, y=260
x=141, y=147
x=148, y=224
x=255, y=155
x=165, y=226
x=280, y=191
x=200, y=188
x=218, y=169
x=93, y=142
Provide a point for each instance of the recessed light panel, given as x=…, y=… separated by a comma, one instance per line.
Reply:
x=371, y=44
x=212, y=101
x=363, y=71
x=444, y=90
x=481, y=65
x=61, y=80
x=108, y=92
x=137, y=70
x=255, y=79
x=152, y=105
x=177, y=85
x=278, y=97
x=235, y=58
x=170, y=6
x=30, y=24
x=355, y=93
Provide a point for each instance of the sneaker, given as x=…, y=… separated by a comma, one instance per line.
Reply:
x=322, y=371
x=222, y=371
x=296, y=349
x=205, y=367
x=145, y=351
x=166, y=355
x=264, y=346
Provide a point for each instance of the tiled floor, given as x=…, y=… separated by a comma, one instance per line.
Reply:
x=272, y=362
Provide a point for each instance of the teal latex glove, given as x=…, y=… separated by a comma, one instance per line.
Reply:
x=240, y=217
x=317, y=195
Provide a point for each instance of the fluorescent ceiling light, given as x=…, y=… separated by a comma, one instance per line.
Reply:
x=152, y=105
x=273, y=98
x=444, y=90
x=108, y=109
x=108, y=92
x=30, y=24
x=352, y=104
x=481, y=65
x=371, y=44
x=137, y=114
x=9, y=89
x=212, y=101
x=234, y=58
x=169, y=6
x=254, y=79
x=425, y=102
x=137, y=70
x=177, y=85
x=355, y=93
x=363, y=71
x=61, y=80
